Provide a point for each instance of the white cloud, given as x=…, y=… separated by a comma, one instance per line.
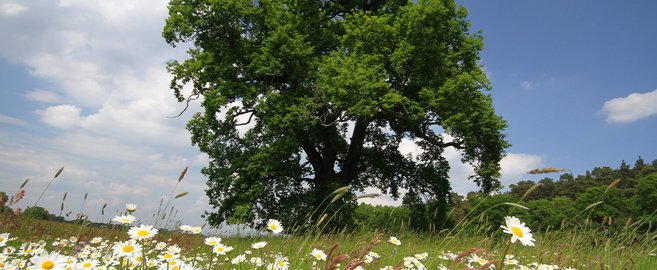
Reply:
x=382, y=199
x=513, y=165
x=4, y=119
x=410, y=147
x=12, y=8
x=43, y=96
x=60, y=116
x=631, y=108
x=527, y=85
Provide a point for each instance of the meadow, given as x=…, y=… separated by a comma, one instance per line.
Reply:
x=473, y=243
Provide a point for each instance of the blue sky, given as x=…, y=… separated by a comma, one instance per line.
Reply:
x=84, y=86
x=554, y=64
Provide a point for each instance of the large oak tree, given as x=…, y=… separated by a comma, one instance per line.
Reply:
x=301, y=97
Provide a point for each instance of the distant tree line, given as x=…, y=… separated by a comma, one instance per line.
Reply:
x=603, y=196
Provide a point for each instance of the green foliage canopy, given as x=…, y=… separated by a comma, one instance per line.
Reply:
x=302, y=97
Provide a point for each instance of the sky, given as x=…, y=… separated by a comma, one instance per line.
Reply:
x=84, y=86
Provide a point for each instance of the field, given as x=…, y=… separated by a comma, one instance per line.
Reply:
x=91, y=247
x=29, y=241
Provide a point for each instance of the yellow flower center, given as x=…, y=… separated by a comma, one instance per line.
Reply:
x=212, y=243
x=2, y=239
x=142, y=233
x=128, y=248
x=86, y=265
x=281, y=263
x=517, y=231
x=168, y=256
x=318, y=256
x=273, y=227
x=47, y=265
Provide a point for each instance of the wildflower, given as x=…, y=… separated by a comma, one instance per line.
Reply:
x=274, y=226
x=131, y=207
x=186, y=228
x=221, y=249
x=239, y=259
x=259, y=245
x=318, y=254
x=87, y=264
x=412, y=262
x=213, y=240
x=168, y=256
x=281, y=263
x=196, y=230
x=96, y=240
x=422, y=256
x=4, y=237
x=510, y=260
x=126, y=249
x=394, y=241
x=142, y=232
x=518, y=230
x=257, y=261
x=374, y=254
x=174, y=249
x=124, y=219
x=477, y=259
x=50, y=261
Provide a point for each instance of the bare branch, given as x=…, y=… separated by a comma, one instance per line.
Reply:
x=189, y=99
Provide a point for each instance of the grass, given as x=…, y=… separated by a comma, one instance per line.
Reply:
x=579, y=247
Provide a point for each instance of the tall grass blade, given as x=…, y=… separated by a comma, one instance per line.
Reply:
x=516, y=205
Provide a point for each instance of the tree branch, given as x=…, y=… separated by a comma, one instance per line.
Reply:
x=438, y=142
x=241, y=113
x=189, y=99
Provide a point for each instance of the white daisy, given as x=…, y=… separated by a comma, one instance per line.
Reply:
x=131, y=207
x=142, y=232
x=213, y=240
x=124, y=219
x=318, y=254
x=518, y=230
x=258, y=245
x=394, y=241
x=48, y=261
x=126, y=249
x=274, y=226
x=4, y=237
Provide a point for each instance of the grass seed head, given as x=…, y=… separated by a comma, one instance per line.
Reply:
x=546, y=170
x=181, y=194
x=182, y=174
x=59, y=172
x=24, y=183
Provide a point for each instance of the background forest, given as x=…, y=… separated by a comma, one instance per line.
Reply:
x=553, y=203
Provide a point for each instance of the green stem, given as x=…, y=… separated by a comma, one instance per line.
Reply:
x=506, y=250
